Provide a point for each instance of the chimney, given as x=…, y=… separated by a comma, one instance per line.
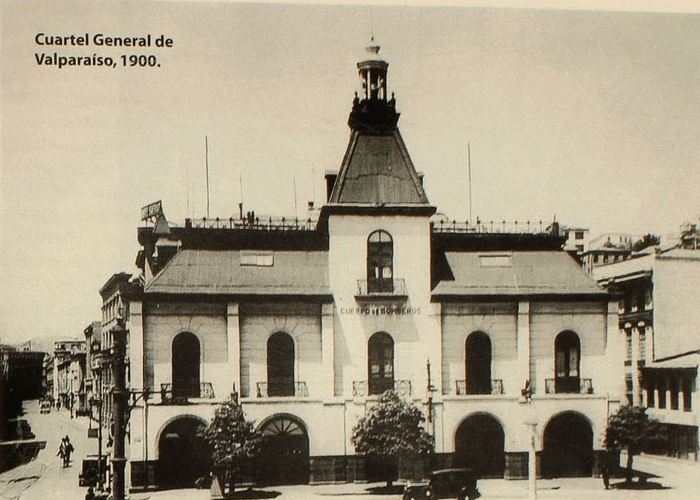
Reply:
x=331, y=176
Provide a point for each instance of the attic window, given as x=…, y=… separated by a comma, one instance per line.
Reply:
x=495, y=261
x=257, y=259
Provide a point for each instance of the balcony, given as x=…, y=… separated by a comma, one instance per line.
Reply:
x=169, y=395
x=362, y=388
x=568, y=385
x=381, y=287
x=495, y=388
x=282, y=389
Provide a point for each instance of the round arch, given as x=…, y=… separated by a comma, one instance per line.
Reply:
x=380, y=362
x=186, y=364
x=284, y=457
x=477, y=358
x=177, y=438
x=280, y=361
x=480, y=444
x=567, y=446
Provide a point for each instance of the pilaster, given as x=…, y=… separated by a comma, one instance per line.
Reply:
x=523, y=345
x=233, y=337
x=327, y=352
x=136, y=365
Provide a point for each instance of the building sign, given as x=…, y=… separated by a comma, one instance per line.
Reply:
x=384, y=310
x=152, y=210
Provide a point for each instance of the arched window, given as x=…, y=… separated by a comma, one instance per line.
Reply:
x=477, y=356
x=380, y=263
x=381, y=363
x=567, y=355
x=280, y=365
x=185, y=365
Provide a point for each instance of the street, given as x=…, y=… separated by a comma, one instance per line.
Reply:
x=45, y=478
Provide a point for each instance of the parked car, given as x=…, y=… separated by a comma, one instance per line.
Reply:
x=446, y=483
x=88, y=475
x=45, y=407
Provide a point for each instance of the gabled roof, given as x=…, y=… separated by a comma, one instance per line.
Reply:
x=221, y=273
x=515, y=273
x=377, y=169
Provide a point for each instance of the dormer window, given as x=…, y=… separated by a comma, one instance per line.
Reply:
x=380, y=263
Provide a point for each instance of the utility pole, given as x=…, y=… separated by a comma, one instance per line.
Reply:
x=119, y=401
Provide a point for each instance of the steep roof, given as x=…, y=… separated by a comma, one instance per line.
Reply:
x=228, y=273
x=377, y=169
x=515, y=273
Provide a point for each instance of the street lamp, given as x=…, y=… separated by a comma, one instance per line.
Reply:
x=119, y=400
x=530, y=420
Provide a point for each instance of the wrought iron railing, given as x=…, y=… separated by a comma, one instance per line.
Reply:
x=274, y=389
x=381, y=286
x=362, y=388
x=568, y=385
x=255, y=224
x=492, y=226
x=205, y=391
x=496, y=387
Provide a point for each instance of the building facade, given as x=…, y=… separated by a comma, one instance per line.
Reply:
x=69, y=362
x=658, y=292
x=308, y=322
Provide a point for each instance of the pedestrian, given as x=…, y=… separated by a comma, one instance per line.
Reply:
x=605, y=471
x=68, y=449
x=62, y=451
x=90, y=495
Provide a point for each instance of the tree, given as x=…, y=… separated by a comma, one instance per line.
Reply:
x=390, y=429
x=648, y=240
x=234, y=441
x=632, y=430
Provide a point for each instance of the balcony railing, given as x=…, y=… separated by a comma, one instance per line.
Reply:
x=275, y=389
x=255, y=223
x=489, y=227
x=178, y=395
x=496, y=388
x=568, y=385
x=362, y=388
x=381, y=287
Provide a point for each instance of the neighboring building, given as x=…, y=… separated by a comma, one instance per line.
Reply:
x=66, y=389
x=93, y=338
x=658, y=299
x=309, y=323
x=116, y=294
x=607, y=249
x=576, y=240
x=22, y=372
x=48, y=377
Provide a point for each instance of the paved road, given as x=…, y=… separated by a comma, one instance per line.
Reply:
x=45, y=478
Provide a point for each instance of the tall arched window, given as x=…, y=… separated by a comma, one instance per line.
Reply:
x=380, y=263
x=477, y=356
x=280, y=365
x=381, y=363
x=185, y=365
x=567, y=355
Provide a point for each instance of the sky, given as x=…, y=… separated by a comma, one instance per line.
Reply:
x=592, y=116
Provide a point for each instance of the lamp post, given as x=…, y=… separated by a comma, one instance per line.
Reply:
x=97, y=402
x=119, y=400
x=530, y=420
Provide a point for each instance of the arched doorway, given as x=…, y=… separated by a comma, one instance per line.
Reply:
x=567, y=446
x=477, y=351
x=284, y=458
x=185, y=365
x=183, y=456
x=479, y=444
x=280, y=365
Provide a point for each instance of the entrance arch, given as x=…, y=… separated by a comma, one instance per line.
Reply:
x=479, y=444
x=183, y=456
x=567, y=446
x=284, y=457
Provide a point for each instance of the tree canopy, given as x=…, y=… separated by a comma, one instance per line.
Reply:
x=232, y=438
x=632, y=430
x=390, y=428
